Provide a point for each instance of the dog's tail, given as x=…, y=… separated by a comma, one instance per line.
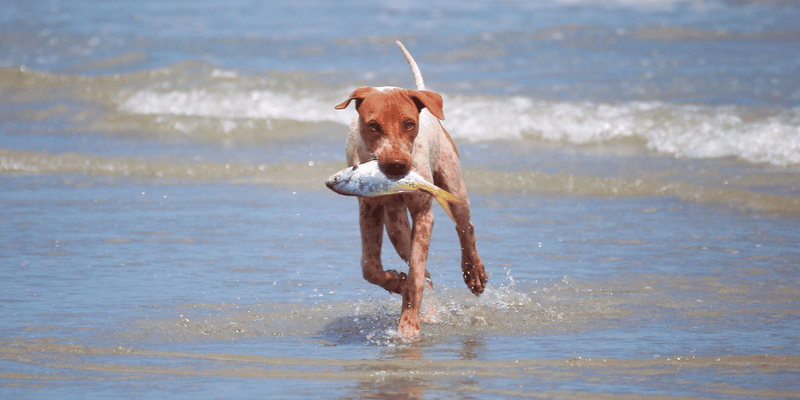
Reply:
x=417, y=75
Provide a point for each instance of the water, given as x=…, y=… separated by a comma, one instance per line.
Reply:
x=632, y=168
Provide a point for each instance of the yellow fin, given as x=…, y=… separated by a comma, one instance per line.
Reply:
x=445, y=206
x=444, y=198
x=451, y=198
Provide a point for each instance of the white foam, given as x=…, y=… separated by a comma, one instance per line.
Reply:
x=263, y=104
x=755, y=135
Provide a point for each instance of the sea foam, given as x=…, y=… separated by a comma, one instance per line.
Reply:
x=754, y=135
x=757, y=135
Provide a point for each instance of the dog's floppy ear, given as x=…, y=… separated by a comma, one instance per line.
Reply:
x=430, y=100
x=358, y=95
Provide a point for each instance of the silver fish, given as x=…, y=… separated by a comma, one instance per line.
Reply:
x=367, y=180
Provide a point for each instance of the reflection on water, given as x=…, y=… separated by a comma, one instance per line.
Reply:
x=407, y=374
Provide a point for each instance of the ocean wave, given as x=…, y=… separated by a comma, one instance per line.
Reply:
x=754, y=135
x=255, y=104
x=227, y=103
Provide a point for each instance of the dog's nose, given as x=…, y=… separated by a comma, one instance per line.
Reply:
x=395, y=168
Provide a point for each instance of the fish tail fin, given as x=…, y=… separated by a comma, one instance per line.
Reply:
x=445, y=198
x=449, y=197
x=446, y=206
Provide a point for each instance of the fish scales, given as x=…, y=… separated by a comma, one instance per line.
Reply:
x=367, y=180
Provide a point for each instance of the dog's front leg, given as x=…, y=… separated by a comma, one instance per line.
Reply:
x=471, y=265
x=448, y=177
x=422, y=218
x=371, y=219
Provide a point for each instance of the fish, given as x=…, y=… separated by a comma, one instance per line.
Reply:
x=367, y=180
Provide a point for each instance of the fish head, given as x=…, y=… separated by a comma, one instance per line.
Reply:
x=339, y=180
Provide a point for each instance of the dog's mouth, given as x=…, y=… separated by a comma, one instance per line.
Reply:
x=395, y=177
x=394, y=169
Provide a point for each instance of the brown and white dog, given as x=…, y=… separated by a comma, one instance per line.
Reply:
x=400, y=128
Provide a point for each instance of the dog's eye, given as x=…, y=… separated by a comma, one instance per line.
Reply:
x=375, y=127
x=408, y=125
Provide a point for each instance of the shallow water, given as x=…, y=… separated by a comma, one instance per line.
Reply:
x=633, y=177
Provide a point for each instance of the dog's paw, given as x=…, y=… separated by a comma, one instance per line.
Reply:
x=396, y=282
x=475, y=277
x=408, y=326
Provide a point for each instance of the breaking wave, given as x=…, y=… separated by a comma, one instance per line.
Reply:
x=754, y=135
x=226, y=104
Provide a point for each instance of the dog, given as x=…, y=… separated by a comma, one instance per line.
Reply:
x=400, y=128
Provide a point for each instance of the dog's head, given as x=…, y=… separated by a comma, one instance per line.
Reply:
x=389, y=120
